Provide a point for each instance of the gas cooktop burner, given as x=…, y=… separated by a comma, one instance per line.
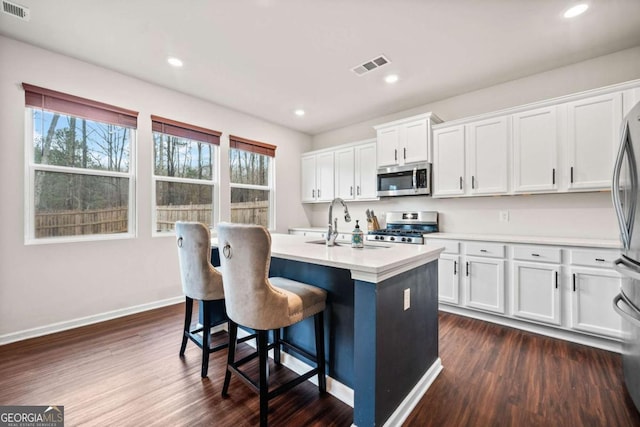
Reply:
x=406, y=227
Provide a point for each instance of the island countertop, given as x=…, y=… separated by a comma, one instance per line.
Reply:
x=374, y=263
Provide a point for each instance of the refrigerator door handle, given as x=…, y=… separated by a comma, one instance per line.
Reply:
x=624, y=223
x=623, y=268
x=631, y=314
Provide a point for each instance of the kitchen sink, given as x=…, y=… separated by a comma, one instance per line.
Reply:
x=346, y=245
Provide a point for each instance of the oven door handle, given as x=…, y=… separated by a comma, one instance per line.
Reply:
x=631, y=314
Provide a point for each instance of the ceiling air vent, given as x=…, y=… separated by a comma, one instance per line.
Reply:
x=370, y=65
x=16, y=10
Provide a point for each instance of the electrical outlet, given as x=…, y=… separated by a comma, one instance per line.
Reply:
x=504, y=216
x=407, y=298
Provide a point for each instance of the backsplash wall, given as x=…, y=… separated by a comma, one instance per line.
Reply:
x=580, y=215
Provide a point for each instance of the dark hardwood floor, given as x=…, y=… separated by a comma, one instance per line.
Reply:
x=127, y=372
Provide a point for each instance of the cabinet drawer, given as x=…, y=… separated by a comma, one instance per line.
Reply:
x=485, y=249
x=537, y=253
x=450, y=247
x=593, y=258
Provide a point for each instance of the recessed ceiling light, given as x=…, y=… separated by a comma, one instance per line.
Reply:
x=576, y=10
x=299, y=112
x=174, y=61
x=391, y=78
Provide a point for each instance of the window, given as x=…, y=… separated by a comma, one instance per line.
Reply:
x=251, y=177
x=184, y=176
x=79, y=157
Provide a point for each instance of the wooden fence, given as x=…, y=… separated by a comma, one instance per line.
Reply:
x=78, y=223
x=109, y=221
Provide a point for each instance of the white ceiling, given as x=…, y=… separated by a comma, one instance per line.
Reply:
x=269, y=57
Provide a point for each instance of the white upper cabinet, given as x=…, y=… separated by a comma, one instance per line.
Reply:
x=405, y=141
x=356, y=172
x=593, y=137
x=449, y=161
x=488, y=142
x=471, y=159
x=535, y=150
x=345, y=173
x=317, y=177
x=366, y=171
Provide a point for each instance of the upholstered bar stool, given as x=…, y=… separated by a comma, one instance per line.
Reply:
x=261, y=303
x=200, y=281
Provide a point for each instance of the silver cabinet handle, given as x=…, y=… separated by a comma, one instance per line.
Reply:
x=358, y=190
x=405, y=153
x=455, y=268
x=535, y=254
x=556, y=280
x=473, y=182
x=553, y=176
x=318, y=192
x=395, y=154
x=571, y=174
x=484, y=250
x=351, y=190
x=313, y=194
x=461, y=183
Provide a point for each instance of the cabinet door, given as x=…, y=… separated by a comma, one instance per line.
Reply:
x=448, y=279
x=324, y=177
x=535, y=150
x=592, y=293
x=536, y=292
x=366, y=171
x=485, y=284
x=345, y=173
x=387, y=143
x=308, y=184
x=448, y=161
x=416, y=142
x=488, y=156
x=593, y=137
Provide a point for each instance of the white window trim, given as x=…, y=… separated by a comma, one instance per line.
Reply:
x=29, y=202
x=214, y=182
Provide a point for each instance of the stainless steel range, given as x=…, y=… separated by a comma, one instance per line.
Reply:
x=406, y=227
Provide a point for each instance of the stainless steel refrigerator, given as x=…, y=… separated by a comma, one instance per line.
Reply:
x=626, y=201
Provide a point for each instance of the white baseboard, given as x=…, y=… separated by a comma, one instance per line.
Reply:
x=334, y=387
x=84, y=321
x=411, y=400
x=563, y=334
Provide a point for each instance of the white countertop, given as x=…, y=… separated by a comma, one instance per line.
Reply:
x=536, y=240
x=374, y=263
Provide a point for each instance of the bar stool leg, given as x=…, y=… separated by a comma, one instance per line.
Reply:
x=233, y=334
x=276, y=348
x=264, y=382
x=318, y=320
x=187, y=324
x=206, y=336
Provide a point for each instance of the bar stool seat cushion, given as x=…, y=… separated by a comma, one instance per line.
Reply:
x=303, y=300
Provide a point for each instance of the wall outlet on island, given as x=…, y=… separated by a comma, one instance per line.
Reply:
x=407, y=298
x=504, y=216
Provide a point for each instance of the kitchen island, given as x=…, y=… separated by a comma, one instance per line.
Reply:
x=381, y=321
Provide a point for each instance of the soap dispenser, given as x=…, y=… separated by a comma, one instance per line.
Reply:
x=357, y=238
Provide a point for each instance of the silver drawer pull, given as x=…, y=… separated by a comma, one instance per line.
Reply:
x=535, y=254
x=599, y=259
x=483, y=250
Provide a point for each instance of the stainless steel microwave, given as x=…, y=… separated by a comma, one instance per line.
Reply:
x=408, y=180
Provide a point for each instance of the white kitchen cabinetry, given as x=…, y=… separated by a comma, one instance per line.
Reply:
x=345, y=173
x=488, y=142
x=536, y=284
x=535, y=150
x=448, y=271
x=317, y=177
x=405, y=141
x=471, y=159
x=366, y=171
x=592, y=293
x=593, y=137
x=484, y=277
x=448, y=161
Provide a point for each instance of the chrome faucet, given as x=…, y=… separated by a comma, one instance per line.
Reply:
x=332, y=232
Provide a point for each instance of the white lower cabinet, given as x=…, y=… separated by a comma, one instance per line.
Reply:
x=536, y=292
x=484, y=284
x=448, y=278
x=566, y=288
x=592, y=293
